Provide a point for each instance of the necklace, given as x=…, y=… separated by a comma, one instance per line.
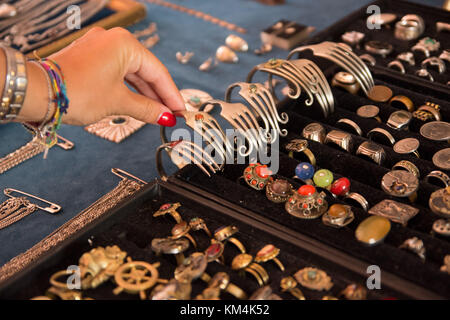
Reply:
x=199, y=14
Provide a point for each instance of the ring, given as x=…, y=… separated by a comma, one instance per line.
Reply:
x=408, y=166
x=338, y=216
x=279, y=191
x=290, y=285
x=400, y=183
x=399, y=120
x=439, y=202
x=397, y=65
x=215, y=252
x=421, y=48
x=439, y=175
x=181, y=230
x=314, y=279
x=442, y=227
x=352, y=124
x=359, y=199
x=305, y=172
x=346, y=81
x=171, y=246
x=423, y=73
x=415, y=245
x=410, y=27
x=402, y=102
x=434, y=62
x=373, y=151
x=224, y=234
x=379, y=47
x=245, y=262
x=407, y=57
x=340, y=138
x=257, y=176
x=307, y=203
x=445, y=55
x=169, y=208
x=367, y=58
x=369, y=111
x=267, y=253
x=300, y=145
x=197, y=224
x=315, y=132
x=221, y=280
x=340, y=187
x=354, y=292
x=353, y=38
x=407, y=146
x=323, y=178
x=433, y=109
x=383, y=132
x=395, y=211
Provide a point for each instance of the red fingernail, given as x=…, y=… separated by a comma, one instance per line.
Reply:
x=167, y=119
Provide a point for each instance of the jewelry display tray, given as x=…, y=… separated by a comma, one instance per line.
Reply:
x=131, y=226
x=365, y=176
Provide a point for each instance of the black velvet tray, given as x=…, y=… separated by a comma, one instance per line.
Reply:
x=365, y=175
x=131, y=226
x=356, y=21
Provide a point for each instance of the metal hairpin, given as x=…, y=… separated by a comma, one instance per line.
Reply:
x=179, y=151
x=343, y=56
x=263, y=103
x=207, y=126
x=300, y=74
x=242, y=119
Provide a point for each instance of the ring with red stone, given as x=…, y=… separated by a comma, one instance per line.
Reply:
x=169, y=208
x=267, y=253
x=257, y=176
x=181, y=230
x=215, y=252
x=307, y=203
x=197, y=224
x=338, y=216
x=279, y=191
x=224, y=234
x=340, y=187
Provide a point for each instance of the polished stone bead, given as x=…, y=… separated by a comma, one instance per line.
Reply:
x=373, y=230
x=306, y=190
x=304, y=171
x=340, y=187
x=323, y=178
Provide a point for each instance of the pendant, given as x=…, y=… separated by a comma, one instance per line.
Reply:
x=115, y=128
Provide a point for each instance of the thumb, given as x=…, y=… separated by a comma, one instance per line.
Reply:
x=146, y=109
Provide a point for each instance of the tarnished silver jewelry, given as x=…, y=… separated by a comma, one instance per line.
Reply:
x=367, y=58
x=353, y=38
x=184, y=58
x=410, y=27
x=408, y=166
x=399, y=120
x=441, y=159
x=208, y=64
x=373, y=151
x=421, y=48
x=440, y=176
x=369, y=111
x=351, y=124
x=378, y=47
x=342, y=55
x=358, y=198
x=395, y=211
x=445, y=55
x=415, y=245
x=225, y=54
x=429, y=43
x=17, y=208
x=300, y=74
x=407, y=57
x=183, y=153
x=315, y=132
x=400, y=183
x=423, y=73
x=436, y=131
x=340, y=138
x=382, y=19
x=407, y=146
x=434, y=62
x=397, y=65
x=382, y=132
x=264, y=106
x=115, y=128
x=441, y=227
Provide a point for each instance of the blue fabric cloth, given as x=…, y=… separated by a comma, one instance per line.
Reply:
x=74, y=179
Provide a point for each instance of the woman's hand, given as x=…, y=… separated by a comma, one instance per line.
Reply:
x=95, y=68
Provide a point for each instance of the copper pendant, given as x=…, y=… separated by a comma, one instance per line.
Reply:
x=115, y=128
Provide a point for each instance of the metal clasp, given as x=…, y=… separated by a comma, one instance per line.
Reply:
x=65, y=144
x=52, y=208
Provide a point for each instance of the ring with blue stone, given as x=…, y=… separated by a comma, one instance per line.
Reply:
x=304, y=171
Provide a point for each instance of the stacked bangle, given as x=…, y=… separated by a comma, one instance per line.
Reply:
x=15, y=85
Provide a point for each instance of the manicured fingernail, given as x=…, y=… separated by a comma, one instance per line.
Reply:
x=167, y=119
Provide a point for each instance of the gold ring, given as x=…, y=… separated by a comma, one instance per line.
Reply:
x=255, y=275
x=224, y=234
x=434, y=111
x=267, y=253
x=181, y=230
x=402, y=102
x=237, y=243
x=300, y=145
x=346, y=81
x=197, y=224
x=261, y=271
x=169, y=208
x=290, y=285
x=62, y=285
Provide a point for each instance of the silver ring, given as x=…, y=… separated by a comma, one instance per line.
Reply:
x=340, y=138
x=373, y=151
x=408, y=166
x=445, y=55
x=434, y=62
x=358, y=198
x=397, y=65
x=423, y=73
x=368, y=59
x=422, y=48
x=399, y=120
x=315, y=132
x=407, y=57
x=444, y=178
x=379, y=48
x=410, y=27
x=383, y=132
x=352, y=124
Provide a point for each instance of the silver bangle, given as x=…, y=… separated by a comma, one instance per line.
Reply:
x=15, y=84
x=444, y=178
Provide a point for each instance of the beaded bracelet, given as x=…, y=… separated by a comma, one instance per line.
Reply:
x=60, y=99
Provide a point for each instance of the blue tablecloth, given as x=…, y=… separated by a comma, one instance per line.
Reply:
x=74, y=179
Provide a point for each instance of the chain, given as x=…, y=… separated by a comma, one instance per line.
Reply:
x=14, y=209
x=31, y=149
x=124, y=189
x=199, y=14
